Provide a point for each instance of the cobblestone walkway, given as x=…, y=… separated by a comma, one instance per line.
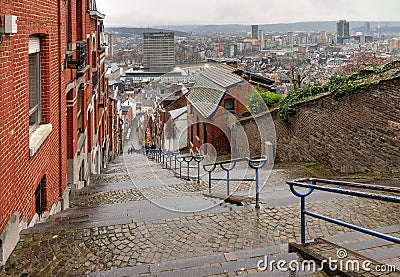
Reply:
x=114, y=225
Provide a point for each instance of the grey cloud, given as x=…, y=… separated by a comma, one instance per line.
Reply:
x=149, y=13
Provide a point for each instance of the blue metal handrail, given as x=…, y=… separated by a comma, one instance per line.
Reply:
x=169, y=158
x=254, y=163
x=346, y=188
x=187, y=160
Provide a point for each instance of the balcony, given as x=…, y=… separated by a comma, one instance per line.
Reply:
x=80, y=61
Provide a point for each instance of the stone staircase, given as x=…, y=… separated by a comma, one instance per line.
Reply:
x=239, y=263
x=357, y=254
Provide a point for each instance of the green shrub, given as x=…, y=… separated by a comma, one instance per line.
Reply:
x=270, y=97
x=257, y=99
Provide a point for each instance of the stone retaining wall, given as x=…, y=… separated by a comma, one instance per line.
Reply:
x=356, y=133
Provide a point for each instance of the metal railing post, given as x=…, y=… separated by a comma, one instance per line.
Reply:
x=209, y=182
x=253, y=164
x=227, y=182
x=175, y=162
x=257, y=191
x=198, y=159
x=188, y=170
x=303, y=220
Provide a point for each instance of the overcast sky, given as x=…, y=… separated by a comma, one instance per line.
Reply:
x=150, y=13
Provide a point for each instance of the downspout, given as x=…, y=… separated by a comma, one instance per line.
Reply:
x=61, y=95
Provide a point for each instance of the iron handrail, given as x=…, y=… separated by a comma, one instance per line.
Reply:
x=252, y=162
x=165, y=157
x=312, y=185
x=188, y=159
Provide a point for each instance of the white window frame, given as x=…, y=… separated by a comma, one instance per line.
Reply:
x=34, y=110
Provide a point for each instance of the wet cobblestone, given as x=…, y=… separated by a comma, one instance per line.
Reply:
x=74, y=251
x=88, y=199
x=85, y=250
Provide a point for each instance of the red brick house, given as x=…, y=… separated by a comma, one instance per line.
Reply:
x=87, y=92
x=33, y=144
x=215, y=102
x=171, y=100
x=55, y=113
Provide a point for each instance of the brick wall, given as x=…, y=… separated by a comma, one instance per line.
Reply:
x=356, y=133
x=20, y=174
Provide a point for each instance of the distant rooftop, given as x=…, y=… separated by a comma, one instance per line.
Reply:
x=219, y=75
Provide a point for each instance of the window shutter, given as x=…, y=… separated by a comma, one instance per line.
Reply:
x=34, y=45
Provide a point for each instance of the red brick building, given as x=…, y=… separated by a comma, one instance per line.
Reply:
x=215, y=102
x=55, y=113
x=87, y=93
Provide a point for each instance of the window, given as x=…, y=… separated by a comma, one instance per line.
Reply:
x=80, y=112
x=229, y=104
x=34, y=83
x=197, y=127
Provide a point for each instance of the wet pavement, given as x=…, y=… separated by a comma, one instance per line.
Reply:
x=137, y=218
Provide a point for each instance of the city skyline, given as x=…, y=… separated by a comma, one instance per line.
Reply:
x=178, y=12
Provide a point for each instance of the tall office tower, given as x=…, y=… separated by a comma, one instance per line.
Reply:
x=261, y=38
x=159, y=51
x=254, y=32
x=110, y=42
x=290, y=38
x=261, y=35
x=367, y=28
x=343, y=31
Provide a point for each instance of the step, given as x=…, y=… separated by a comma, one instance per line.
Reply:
x=372, y=247
x=129, y=212
x=240, y=262
x=345, y=260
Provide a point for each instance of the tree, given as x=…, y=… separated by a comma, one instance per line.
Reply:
x=295, y=67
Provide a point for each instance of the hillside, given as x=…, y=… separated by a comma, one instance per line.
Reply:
x=329, y=26
x=128, y=31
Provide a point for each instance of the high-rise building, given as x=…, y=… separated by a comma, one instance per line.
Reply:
x=110, y=42
x=261, y=35
x=343, y=30
x=159, y=51
x=367, y=28
x=254, y=32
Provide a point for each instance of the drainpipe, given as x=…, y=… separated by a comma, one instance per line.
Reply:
x=61, y=95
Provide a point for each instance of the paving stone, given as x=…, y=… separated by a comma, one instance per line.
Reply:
x=186, y=263
x=204, y=270
x=250, y=253
x=128, y=271
x=110, y=228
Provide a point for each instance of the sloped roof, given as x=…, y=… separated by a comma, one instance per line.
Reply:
x=210, y=88
x=219, y=76
x=205, y=99
x=114, y=67
x=178, y=112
